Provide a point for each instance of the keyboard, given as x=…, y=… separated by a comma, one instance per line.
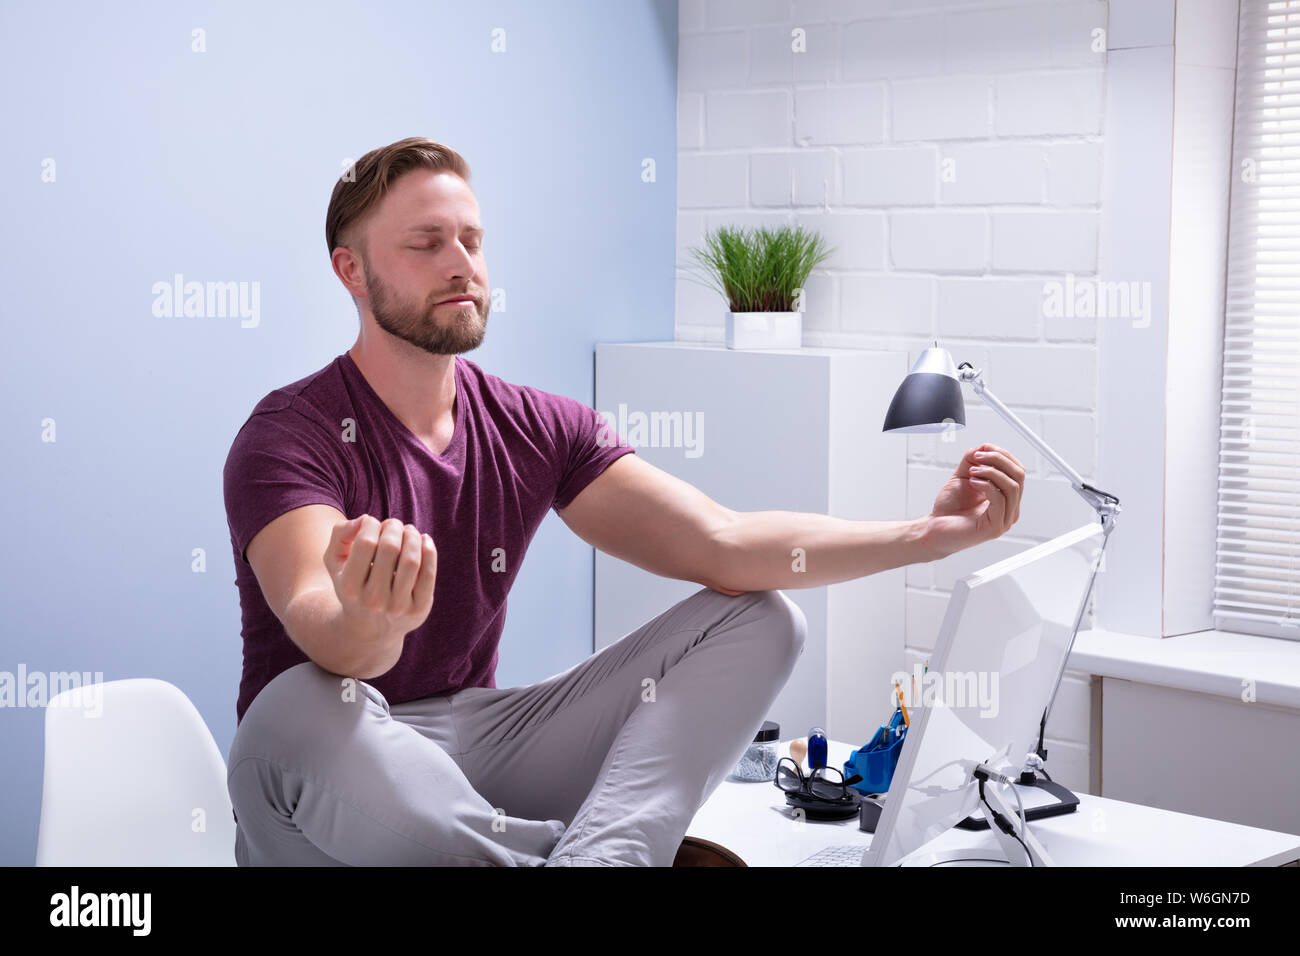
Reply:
x=843, y=855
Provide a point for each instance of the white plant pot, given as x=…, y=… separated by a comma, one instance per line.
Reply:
x=764, y=330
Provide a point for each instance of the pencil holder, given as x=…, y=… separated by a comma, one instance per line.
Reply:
x=876, y=762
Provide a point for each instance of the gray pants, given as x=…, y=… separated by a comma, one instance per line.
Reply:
x=604, y=764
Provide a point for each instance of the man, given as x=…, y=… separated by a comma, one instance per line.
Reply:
x=379, y=510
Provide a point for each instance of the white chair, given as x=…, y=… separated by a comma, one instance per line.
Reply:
x=132, y=778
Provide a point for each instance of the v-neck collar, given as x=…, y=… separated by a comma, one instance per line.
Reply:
x=453, y=453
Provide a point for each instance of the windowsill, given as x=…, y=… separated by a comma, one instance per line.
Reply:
x=1208, y=662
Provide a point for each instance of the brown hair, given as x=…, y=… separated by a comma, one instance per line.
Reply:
x=371, y=176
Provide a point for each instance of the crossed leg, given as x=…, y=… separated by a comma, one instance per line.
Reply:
x=602, y=764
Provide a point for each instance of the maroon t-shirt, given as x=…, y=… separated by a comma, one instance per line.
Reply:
x=329, y=439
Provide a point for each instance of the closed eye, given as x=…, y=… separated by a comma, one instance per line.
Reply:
x=473, y=248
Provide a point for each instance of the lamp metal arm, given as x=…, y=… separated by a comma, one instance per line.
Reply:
x=1103, y=502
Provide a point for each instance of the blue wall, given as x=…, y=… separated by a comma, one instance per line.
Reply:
x=218, y=165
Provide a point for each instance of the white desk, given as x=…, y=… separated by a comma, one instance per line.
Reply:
x=752, y=819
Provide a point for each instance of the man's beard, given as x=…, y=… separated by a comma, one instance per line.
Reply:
x=418, y=324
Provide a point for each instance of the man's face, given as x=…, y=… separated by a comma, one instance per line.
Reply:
x=425, y=246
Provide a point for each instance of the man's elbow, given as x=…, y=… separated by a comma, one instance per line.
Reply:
x=314, y=621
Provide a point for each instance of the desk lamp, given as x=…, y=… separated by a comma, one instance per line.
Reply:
x=930, y=400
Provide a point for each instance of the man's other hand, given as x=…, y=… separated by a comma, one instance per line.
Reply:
x=978, y=503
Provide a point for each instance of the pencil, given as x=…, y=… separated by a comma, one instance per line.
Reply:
x=906, y=721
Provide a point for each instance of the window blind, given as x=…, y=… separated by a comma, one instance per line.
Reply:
x=1257, y=574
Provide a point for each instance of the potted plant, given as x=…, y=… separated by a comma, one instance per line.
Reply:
x=761, y=274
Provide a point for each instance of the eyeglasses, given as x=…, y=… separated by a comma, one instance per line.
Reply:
x=825, y=783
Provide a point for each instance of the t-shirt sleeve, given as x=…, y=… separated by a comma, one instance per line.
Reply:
x=280, y=461
x=588, y=443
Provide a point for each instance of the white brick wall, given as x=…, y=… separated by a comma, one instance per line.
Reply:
x=985, y=174
x=950, y=151
x=899, y=176
x=803, y=177
x=849, y=114
x=1037, y=104
x=939, y=108
x=989, y=308
x=939, y=241
x=760, y=118
x=1044, y=241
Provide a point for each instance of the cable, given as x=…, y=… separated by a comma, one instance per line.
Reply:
x=1003, y=824
x=1024, y=824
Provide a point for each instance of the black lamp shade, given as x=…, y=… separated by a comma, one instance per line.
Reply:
x=928, y=401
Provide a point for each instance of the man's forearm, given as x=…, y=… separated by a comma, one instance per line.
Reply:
x=764, y=550
x=317, y=623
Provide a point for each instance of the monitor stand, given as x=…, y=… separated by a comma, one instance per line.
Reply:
x=1010, y=850
x=969, y=857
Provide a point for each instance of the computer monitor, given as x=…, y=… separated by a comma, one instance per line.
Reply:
x=996, y=663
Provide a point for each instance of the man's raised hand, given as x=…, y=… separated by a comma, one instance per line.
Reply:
x=383, y=573
x=979, y=502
